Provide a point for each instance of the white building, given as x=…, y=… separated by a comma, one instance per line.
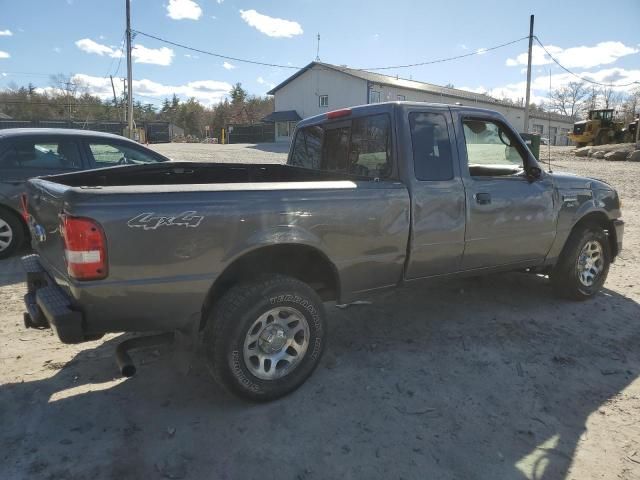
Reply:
x=322, y=87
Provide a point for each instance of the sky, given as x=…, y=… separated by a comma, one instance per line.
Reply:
x=83, y=39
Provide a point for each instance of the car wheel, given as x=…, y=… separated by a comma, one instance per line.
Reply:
x=11, y=233
x=583, y=265
x=264, y=338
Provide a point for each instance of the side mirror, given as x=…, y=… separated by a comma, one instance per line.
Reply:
x=534, y=172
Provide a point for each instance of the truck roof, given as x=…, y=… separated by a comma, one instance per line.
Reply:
x=383, y=107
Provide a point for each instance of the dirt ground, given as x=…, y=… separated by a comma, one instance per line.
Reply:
x=486, y=378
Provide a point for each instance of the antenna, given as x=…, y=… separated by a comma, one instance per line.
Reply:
x=318, y=49
x=549, y=124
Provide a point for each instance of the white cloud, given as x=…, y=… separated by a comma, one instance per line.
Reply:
x=4, y=54
x=228, y=66
x=540, y=84
x=140, y=54
x=481, y=51
x=183, y=9
x=6, y=33
x=206, y=91
x=260, y=80
x=57, y=49
x=220, y=2
x=602, y=53
x=270, y=26
x=89, y=46
x=189, y=55
x=213, y=17
x=155, y=56
x=463, y=46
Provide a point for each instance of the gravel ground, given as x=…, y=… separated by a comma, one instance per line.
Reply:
x=236, y=153
x=488, y=378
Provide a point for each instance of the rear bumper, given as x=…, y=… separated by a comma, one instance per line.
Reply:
x=619, y=227
x=48, y=305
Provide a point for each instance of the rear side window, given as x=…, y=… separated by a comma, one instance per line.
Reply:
x=431, y=146
x=359, y=147
x=48, y=155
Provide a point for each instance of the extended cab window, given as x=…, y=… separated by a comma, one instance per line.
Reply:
x=361, y=146
x=491, y=149
x=431, y=146
x=110, y=154
x=56, y=155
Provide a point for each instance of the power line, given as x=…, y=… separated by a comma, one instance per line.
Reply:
x=205, y=52
x=267, y=64
x=480, y=51
x=578, y=76
x=121, y=50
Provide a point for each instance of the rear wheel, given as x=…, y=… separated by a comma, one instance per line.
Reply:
x=11, y=233
x=583, y=265
x=263, y=339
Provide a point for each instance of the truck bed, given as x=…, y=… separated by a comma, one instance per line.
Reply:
x=193, y=173
x=162, y=266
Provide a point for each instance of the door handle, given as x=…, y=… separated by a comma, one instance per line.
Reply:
x=483, y=198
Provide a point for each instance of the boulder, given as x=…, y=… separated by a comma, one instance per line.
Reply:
x=599, y=154
x=582, y=152
x=615, y=156
x=634, y=156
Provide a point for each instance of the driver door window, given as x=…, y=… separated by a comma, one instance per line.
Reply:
x=108, y=155
x=491, y=149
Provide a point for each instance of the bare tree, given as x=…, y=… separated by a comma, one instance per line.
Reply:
x=631, y=105
x=569, y=100
x=611, y=98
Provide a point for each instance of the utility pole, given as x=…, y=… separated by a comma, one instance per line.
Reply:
x=318, y=49
x=129, y=73
x=528, y=96
x=115, y=100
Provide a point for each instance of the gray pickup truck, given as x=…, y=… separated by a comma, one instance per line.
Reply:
x=244, y=256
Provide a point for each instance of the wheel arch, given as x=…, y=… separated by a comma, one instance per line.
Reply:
x=601, y=219
x=12, y=211
x=303, y=262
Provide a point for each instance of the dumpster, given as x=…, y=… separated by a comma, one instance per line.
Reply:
x=533, y=142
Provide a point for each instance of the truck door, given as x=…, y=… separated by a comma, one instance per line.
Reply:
x=510, y=218
x=437, y=194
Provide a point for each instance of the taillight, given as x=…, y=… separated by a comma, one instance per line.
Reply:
x=345, y=112
x=85, y=248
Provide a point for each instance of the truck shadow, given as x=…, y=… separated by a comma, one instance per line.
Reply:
x=11, y=270
x=479, y=378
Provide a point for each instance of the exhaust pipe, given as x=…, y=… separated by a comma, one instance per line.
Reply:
x=123, y=359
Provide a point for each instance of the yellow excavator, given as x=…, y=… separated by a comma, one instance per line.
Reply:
x=598, y=129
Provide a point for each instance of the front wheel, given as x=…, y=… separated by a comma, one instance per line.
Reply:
x=264, y=338
x=583, y=265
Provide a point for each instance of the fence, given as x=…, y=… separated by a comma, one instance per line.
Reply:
x=156, y=132
x=259, y=133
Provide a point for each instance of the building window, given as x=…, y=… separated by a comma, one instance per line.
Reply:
x=539, y=129
x=323, y=100
x=374, y=97
x=401, y=98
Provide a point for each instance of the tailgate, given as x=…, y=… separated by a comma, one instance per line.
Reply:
x=45, y=201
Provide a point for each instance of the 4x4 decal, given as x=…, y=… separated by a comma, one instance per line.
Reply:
x=151, y=221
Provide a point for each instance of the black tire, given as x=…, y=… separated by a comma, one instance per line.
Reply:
x=565, y=277
x=227, y=330
x=11, y=230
